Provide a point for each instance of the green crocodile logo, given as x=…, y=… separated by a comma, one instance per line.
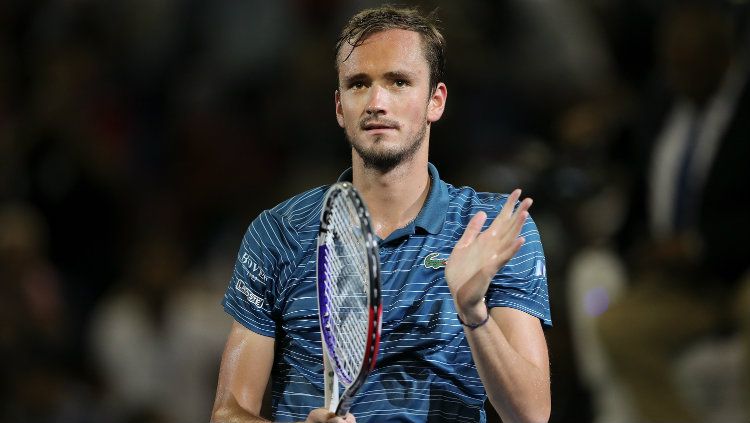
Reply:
x=431, y=261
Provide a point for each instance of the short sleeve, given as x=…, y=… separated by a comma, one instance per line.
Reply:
x=522, y=282
x=250, y=296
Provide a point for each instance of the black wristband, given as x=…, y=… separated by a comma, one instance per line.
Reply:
x=476, y=325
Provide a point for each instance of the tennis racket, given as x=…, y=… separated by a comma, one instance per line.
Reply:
x=349, y=302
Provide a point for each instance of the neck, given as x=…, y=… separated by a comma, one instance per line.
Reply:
x=394, y=198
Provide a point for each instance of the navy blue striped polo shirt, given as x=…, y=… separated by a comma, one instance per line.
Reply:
x=425, y=371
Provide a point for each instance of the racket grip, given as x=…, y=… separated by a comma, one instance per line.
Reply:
x=344, y=405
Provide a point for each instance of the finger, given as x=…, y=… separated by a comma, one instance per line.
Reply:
x=320, y=415
x=349, y=418
x=517, y=243
x=524, y=205
x=520, y=216
x=500, y=225
x=472, y=229
x=508, y=241
x=505, y=254
x=504, y=225
x=510, y=204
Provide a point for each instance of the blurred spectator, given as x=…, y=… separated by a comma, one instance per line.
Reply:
x=40, y=382
x=687, y=229
x=586, y=189
x=158, y=337
x=742, y=305
x=34, y=308
x=130, y=336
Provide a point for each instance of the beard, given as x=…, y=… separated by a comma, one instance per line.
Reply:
x=385, y=160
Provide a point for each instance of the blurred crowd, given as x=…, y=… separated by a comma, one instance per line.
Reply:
x=139, y=138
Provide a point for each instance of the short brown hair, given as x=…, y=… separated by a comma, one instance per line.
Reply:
x=371, y=21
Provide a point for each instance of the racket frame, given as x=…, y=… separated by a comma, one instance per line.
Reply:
x=340, y=405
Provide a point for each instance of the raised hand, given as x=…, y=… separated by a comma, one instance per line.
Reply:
x=478, y=256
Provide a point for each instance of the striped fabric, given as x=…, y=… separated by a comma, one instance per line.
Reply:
x=425, y=370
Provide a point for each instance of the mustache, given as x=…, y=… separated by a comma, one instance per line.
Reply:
x=374, y=121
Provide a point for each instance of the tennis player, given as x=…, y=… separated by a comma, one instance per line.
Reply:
x=463, y=272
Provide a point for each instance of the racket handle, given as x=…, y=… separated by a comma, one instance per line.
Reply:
x=344, y=405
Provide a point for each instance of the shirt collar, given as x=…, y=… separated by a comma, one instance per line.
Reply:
x=432, y=216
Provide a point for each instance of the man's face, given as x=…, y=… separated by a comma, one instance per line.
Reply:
x=384, y=101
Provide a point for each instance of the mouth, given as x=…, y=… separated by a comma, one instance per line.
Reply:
x=378, y=126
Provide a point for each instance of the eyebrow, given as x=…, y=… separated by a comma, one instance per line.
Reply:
x=348, y=80
x=392, y=75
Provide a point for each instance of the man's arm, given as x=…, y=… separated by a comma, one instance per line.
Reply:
x=243, y=376
x=244, y=373
x=509, y=349
x=511, y=357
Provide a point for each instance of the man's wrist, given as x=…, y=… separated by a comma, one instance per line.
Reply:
x=476, y=320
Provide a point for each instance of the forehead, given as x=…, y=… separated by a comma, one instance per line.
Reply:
x=384, y=51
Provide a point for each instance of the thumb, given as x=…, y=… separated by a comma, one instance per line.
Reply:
x=472, y=230
x=319, y=415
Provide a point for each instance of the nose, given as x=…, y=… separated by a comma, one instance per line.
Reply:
x=377, y=101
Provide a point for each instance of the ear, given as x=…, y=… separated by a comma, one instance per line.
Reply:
x=339, y=110
x=437, y=103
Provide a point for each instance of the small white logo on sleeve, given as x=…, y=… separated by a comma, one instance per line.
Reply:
x=540, y=269
x=252, y=298
x=253, y=270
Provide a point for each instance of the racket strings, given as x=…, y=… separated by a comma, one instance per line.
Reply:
x=349, y=327
x=347, y=286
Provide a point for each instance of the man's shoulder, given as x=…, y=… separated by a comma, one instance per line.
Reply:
x=290, y=226
x=302, y=209
x=469, y=198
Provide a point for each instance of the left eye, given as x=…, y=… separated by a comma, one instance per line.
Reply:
x=400, y=83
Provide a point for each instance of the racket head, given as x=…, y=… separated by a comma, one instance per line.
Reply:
x=349, y=295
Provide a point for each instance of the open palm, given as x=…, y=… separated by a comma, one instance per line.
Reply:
x=478, y=255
